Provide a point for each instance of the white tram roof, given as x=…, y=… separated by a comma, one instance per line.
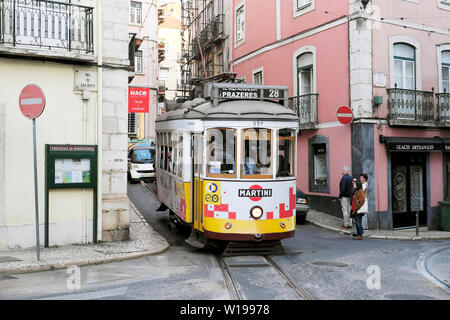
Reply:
x=235, y=108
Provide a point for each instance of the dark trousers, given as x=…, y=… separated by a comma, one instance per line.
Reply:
x=359, y=226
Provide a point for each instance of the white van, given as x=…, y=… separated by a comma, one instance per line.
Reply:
x=141, y=159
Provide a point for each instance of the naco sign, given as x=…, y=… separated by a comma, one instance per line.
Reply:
x=138, y=100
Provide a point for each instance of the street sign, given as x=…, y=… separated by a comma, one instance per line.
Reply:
x=138, y=100
x=32, y=104
x=344, y=115
x=31, y=101
x=85, y=80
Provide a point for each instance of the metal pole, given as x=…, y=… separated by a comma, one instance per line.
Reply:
x=417, y=223
x=36, y=190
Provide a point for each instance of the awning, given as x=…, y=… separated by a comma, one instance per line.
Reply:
x=401, y=144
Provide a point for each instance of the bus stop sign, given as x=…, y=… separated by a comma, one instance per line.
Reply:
x=31, y=101
x=344, y=115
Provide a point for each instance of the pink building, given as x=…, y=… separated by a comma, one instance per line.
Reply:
x=389, y=61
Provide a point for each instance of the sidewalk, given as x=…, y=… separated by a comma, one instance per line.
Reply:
x=332, y=223
x=143, y=241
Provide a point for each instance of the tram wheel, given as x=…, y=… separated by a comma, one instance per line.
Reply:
x=183, y=229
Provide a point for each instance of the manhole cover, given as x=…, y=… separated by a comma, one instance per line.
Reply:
x=8, y=278
x=292, y=252
x=4, y=259
x=407, y=297
x=330, y=264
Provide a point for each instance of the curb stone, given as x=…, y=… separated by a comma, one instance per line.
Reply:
x=421, y=237
x=140, y=249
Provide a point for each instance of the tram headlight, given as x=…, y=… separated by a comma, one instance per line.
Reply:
x=256, y=212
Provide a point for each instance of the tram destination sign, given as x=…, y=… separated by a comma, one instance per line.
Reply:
x=250, y=93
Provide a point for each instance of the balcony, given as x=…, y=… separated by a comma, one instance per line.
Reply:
x=56, y=26
x=161, y=52
x=195, y=50
x=205, y=36
x=161, y=87
x=443, y=109
x=410, y=107
x=161, y=16
x=218, y=27
x=306, y=108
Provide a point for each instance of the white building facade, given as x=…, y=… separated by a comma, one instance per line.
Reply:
x=77, y=53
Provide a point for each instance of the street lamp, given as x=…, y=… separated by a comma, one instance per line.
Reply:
x=364, y=3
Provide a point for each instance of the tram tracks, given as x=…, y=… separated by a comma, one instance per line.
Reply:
x=233, y=283
x=150, y=189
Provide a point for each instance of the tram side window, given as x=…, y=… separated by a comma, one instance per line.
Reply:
x=175, y=153
x=169, y=166
x=166, y=151
x=161, y=151
x=286, y=160
x=257, y=153
x=221, y=152
x=180, y=155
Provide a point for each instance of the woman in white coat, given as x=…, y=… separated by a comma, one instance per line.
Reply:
x=365, y=208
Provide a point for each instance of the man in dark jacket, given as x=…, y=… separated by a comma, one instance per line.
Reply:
x=345, y=195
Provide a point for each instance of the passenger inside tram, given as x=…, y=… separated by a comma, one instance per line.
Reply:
x=221, y=147
x=250, y=166
x=257, y=158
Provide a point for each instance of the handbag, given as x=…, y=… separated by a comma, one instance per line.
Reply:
x=353, y=213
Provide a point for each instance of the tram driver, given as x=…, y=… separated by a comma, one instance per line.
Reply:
x=250, y=166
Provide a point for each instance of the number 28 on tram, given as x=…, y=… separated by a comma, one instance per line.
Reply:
x=226, y=165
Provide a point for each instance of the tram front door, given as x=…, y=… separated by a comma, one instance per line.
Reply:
x=408, y=189
x=197, y=155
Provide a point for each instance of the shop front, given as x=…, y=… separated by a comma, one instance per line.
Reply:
x=410, y=180
x=446, y=159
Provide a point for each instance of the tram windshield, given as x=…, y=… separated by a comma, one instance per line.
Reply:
x=221, y=152
x=256, y=153
x=286, y=160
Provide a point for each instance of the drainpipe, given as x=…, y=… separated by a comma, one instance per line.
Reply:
x=99, y=118
x=85, y=128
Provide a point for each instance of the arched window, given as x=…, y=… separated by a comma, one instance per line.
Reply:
x=305, y=73
x=404, y=66
x=446, y=71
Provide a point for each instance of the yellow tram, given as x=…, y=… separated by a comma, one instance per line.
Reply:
x=225, y=164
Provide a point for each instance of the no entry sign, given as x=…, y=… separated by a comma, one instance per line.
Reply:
x=344, y=115
x=31, y=101
x=138, y=100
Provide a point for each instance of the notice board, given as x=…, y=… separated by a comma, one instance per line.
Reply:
x=70, y=166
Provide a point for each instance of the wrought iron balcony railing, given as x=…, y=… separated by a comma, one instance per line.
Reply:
x=205, y=34
x=410, y=107
x=306, y=108
x=218, y=26
x=47, y=24
x=194, y=47
x=443, y=108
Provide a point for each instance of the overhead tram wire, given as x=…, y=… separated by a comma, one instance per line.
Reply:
x=145, y=19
